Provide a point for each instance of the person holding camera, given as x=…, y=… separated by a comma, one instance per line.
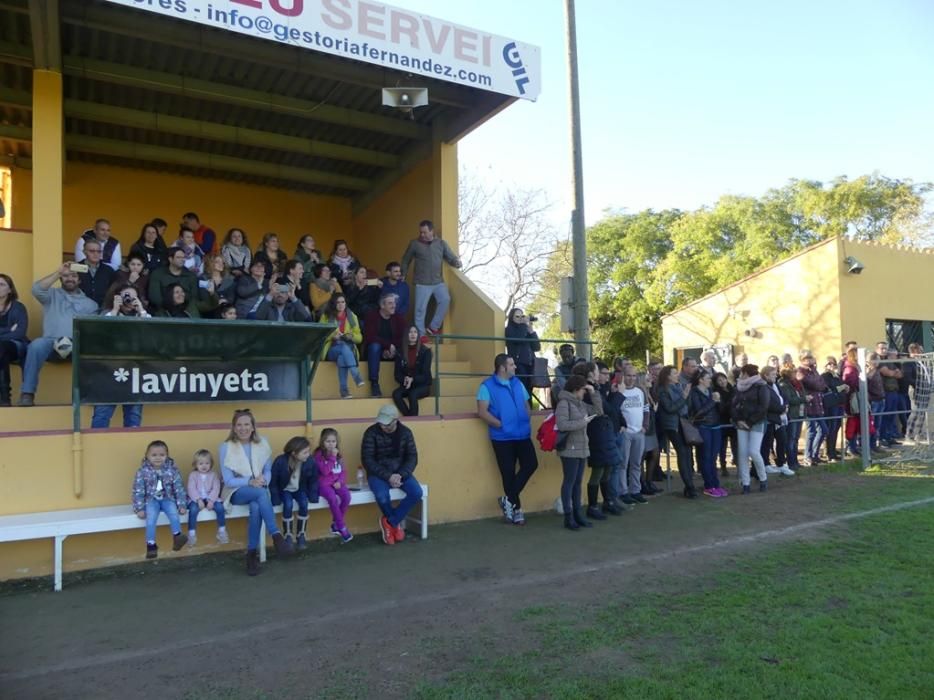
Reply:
x=282, y=305
x=126, y=304
x=524, y=347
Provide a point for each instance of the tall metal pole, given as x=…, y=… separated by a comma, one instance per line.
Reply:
x=578, y=229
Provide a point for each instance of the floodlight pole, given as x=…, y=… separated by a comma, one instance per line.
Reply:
x=578, y=229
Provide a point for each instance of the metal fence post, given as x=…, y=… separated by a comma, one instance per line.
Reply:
x=863, y=409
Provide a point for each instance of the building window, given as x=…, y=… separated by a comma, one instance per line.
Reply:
x=901, y=333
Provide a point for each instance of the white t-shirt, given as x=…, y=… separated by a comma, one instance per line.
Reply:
x=633, y=409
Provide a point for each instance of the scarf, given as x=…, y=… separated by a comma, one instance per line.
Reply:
x=323, y=284
x=746, y=383
x=342, y=322
x=342, y=262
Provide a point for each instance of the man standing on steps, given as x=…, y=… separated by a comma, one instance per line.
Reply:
x=429, y=253
x=503, y=402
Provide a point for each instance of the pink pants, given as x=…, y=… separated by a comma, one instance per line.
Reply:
x=338, y=498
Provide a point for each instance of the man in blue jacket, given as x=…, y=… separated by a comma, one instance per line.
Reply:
x=503, y=402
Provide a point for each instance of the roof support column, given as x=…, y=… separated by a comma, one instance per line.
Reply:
x=48, y=160
x=444, y=185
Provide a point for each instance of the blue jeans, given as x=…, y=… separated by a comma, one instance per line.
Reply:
x=817, y=431
x=38, y=352
x=289, y=499
x=153, y=508
x=193, y=510
x=374, y=355
x=380, y=489
x=257, y=498
x=343, y=355
x=709, y=451
x=793, y=436
x=875, y=408
x=889, y=429
x=132, y=415
x=423, y=293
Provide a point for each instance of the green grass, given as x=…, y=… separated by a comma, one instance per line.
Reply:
x=848, y=616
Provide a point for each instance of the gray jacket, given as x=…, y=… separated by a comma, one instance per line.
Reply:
x=428, y=258
x=59, y=309
x=571, y=417
x=293, y=312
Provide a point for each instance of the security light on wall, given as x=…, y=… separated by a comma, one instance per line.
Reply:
x=405, y=98
x=853, y=266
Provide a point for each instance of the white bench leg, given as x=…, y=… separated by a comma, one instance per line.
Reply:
x=424, y=522
x=262, y=542
x=59, y=539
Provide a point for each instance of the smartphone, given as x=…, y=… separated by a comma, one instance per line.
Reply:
x=372, y=283
x=283, y=288
x=78, y=267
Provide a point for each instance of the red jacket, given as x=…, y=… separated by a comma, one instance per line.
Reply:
x=371, y=330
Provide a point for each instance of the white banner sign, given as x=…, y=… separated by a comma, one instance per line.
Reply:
x=374, y=33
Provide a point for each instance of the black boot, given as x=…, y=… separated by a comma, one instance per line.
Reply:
x=658, y=474
x=594, y=513
x=252, y=562
x=569, y=522
x=284, y=547
x=580, y=519
x=593, y=507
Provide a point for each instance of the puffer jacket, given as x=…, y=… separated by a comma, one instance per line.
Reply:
x=794, y=398
x=601, y=433
x=571, y=417
x=307, y=480
x=146, y=483
x=671, y=406
x=751, y=401
x=384, y=454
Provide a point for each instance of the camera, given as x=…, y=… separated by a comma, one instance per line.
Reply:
x=533, y=319
x=127, y=299
x=283, y=288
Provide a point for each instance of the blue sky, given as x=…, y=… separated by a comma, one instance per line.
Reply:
x=686, y=100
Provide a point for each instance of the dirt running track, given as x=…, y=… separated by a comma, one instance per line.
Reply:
x=366, y=620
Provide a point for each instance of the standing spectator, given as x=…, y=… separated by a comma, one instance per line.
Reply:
x=834, y=400
x=519, y=328
x=204, y=236
x=97, y=280
x=920, y=395
x=283, y=306
x=794, y=397
x=413, y=374
x=341, y=348
x=634, y=409
x=815, y=388
x=709, y=362
x=891, y=376
x=604, y=458
x=252, y=290
x=389, y=456
x=672, y=406
x=362, y=297
x=750, y=407
x=572, y=416
x=563, y=369
x=850, y=376
x=343, y=263
x=126, y=304
x=502, y=403
x=110, y=246
x=194, y=256
x=727, y=431
x=246, y=464
x=135, y=275
x=909, y=369
x=236, y=253
x=14, y=324
x=652, y=453
x=875, y=387
x=429, y=253
x=740, y=361
x=689, y=370
x=150, y=247
x=383, y=331
x=270, y=255
x=216, y=278
x=393, y=284
x=174, y=273
x=704, y=408
x=59, y=308
x=776, y=416
x=309, y=256
x=323, y=288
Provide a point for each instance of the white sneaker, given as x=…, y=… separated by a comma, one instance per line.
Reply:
x=769, y=469
x=192, y=538
x=786, y=470
x=222, y=537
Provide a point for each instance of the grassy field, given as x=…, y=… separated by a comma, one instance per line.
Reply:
x=848, y=616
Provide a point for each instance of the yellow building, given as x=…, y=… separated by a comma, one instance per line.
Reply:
x=267, y=115
x=820, y=298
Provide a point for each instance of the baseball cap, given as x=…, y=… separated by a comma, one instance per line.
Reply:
x=387, y=414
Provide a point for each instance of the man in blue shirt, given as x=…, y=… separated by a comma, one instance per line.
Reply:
x=503, y=402
x=393, y=284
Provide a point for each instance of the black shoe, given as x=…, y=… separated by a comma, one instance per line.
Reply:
x=627, y=499
x=689, y=492
x=375, y=391
x=580, y=519
x=745, y=489
x=569, y=522
x=252, y=562
x=764, y=486
x=658, y=474
x=639, y=498
x=612, y=509
x=284, y=547
x=594, y=513
x=152, y=551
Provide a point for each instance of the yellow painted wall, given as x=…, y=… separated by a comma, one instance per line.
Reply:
x=22, y=198
x=455, y=459
x=793, y=305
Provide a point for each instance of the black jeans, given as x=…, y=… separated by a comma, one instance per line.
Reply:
x=684, y=453
x=571, y=483
x=507, y=453
x=729, y=438
x=768, y=441
x=413, y=394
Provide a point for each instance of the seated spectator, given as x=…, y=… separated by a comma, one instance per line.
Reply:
x=294, y=275
x=14, y=323
x=383, y=330
x=236, y=253
x=174, y=273
x=204, y=236
x=110, y=247
x=251, y=290
x=161, y=226
x=519, y=326
x=217, y=278
x=150, y=248
x=294, y=482
x=390, y=457
x=308, y=256
x=134, y=275
x=283, y=306
x=97, y=280
x=176, y=303
x=126, y=303
x=393, y=284
x=413, y=374
x=342, y=346
x=343, y=263
x=363, y=293
x=322, y=289
x=429, y=253
x=194, y=256
x=226, y=311
x=59, y=308
x=270, y=254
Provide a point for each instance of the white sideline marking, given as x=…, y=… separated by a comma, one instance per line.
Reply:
x=482, y=587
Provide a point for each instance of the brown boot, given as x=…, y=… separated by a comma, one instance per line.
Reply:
x=252, y=562
x=284, y=547
x=179, y=540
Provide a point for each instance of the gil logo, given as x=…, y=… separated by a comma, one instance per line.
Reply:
x=514, y=61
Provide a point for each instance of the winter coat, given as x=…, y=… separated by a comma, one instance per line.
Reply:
x=331, y=469
x=397, y=327
x=384, y=454
x=249, y=295
x=422, y=369
x=146, y=482
x=362, y=301
x=875, y=385
x=702, y=409
x=571, y=417
x=751, y=402
x=601, y=433
x=294, y=311
x=815, y=387
x=307, y=480
x=726, y=404
x=776, y=407
x=794, y=398
x=671, y=406
x=522, y=353
x=351, y=328
x=18, y=316
x=161, y=279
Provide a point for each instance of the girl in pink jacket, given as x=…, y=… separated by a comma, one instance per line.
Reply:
x=204, y=490
x=332, y=481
